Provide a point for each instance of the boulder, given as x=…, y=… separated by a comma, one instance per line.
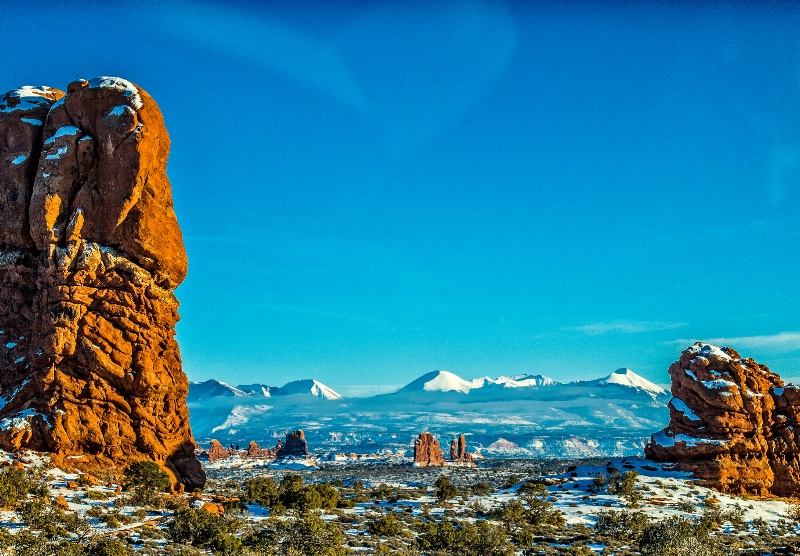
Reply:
x=427, y=451
x=732, y=424
x=90, y=253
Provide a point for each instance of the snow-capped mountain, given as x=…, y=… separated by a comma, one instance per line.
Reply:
x=203, y=391
x=626, y=378
x=612, y=415
x=445, y=381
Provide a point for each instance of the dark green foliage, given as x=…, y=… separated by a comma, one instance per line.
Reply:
x=384, y=526
x=678, y=536
x=462, y=537
x=445, y=490
x=14, y=486
x=51, y=522
x=307, y=535
x=146, y=475
x=201, y=528
x=291, y=494
x=622, y=525
x=107, y=547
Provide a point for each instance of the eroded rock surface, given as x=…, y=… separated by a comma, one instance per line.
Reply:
x=295, y=446
x=458, y=451
x=732, y=424
x=90, y=253
x=427, y=451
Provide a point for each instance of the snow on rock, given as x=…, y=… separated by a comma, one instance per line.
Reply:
x=122, y=85
x=735, y=443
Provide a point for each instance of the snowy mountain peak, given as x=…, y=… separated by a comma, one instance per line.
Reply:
x=213, y=388
x=309, y=386
x=445, y=381
x=442, y=381
x=626, y=377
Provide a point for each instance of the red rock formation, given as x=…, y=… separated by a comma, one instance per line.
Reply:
x=295, y=446
x=216, y=451
x=458, y=451
x=255, y=451
x=90, y=251
x=427, y=451
x=732, y=424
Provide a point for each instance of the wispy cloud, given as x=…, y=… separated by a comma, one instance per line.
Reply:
x=626, y=327
x=783, y=341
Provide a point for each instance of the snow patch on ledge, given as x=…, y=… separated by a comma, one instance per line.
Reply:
x=662, y=439
x=122, y=85
x=705, y=350
x=681, y=406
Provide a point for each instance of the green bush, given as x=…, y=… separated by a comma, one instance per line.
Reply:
x=201, y=528
x=463, y=537
x=307, y=535
x=146, y=475
x=678, y=536
x=445, y=490
x=384, y=526
x=14, y=486
x=622, y=525
x=107, y=547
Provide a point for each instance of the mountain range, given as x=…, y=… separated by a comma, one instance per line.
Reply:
x=520, y=415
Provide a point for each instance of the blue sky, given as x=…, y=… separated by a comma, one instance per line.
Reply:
x=370, y=191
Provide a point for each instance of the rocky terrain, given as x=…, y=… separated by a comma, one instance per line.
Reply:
x=733, y=423
x=90, y=253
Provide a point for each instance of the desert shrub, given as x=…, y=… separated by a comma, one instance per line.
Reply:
x=263, y=491
x=622, y=525
x=686, y=506
x=625, y=485
x=510, y=481
x=445, y=489
x=384, y=526
x=96, y=495
x=41, y=516
x=793, y=512
x=202, y=529
x=307, y=535
x=14, y=486
x=678, y=536
x=146, y=475
x=102, y=546
x=481, y=489
x=463, y=537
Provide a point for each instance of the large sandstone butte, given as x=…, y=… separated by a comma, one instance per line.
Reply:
x=427, y=451
x=733, y=424
x=90, y=253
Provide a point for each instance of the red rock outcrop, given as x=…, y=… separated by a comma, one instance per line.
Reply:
x=90, y=253
x=216, y=451
x=427, y=451
x=295, y=446
x=732, y=424
x=458, y=451
x=255, y=451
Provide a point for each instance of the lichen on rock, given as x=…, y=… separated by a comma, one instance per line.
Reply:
x=90, y=253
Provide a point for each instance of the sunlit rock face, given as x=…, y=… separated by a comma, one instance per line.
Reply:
x=732, y=424
x=90, y=253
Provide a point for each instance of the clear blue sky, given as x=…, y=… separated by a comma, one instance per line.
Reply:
x=372, y=191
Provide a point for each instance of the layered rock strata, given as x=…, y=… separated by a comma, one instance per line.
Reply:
x=90, y=253
x=733, y=424
x=427, y=451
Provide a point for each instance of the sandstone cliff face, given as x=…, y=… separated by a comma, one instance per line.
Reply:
x=90, y=251
x=427, y=451
x=732, y=423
